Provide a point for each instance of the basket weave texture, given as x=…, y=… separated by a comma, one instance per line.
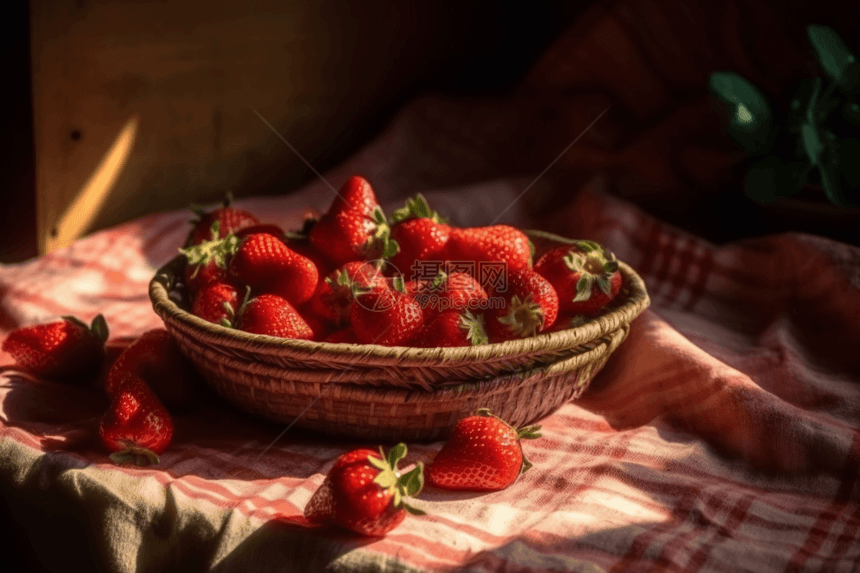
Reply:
x=397, y=393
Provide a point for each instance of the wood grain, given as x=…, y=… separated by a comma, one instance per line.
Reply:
x=324, y=74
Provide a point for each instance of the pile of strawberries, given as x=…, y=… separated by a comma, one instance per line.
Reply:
x=356, y=276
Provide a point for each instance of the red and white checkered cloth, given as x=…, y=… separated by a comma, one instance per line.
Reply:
x=723, y=435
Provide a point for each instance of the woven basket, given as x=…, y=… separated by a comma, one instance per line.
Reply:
x=397, y=393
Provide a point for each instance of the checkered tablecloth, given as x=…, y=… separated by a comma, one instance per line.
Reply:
x=723, y=435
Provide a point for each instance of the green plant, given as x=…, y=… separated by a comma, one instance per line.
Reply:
x=814, y=139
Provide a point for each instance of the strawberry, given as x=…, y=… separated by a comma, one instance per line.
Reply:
x=66, y=350
x=384, y=316
x=452, y=328
x=217, y=302
x=454, y=291
x=585, y=275
x=155, y=358
x=319, y=327
x=334, y=297
x=345, y=336
x=274, y=316
x=364, y=492
x=355, y=195
x=207, y=261
x=228, y=219
x=420, y=233
x=483, y=453
x=267, y=265
x=354, y=228
x=530, y=306
x=273, y=230
x=136, y=427
x=495, y=244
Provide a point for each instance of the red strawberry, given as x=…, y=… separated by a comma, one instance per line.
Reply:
x=228, y=219
x=585, y=275
x=334, y=298
x=363, y=492
x=420, y=233
x=354, y=228
x=353, y=236
x=483, y=453
x=207, y=261
x=273, y=230
x=385, y=316
x=155, y=358
x=319, y=327
x=452, y=328
x=267, y=265
x=355, y=195
x=345, y=336
x=217, y=302
x=530, y=307
x=136, y=427
x=454, y=291
x=67, y=350
x=494, y=244
x=274, y=316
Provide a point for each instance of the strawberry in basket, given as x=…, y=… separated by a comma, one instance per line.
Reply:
x=207, y=261
x=585, y=275
x=67, y=350
x=493, y=244
x=229, y=219
x=421, y=235
x=217, y=302
x=449, y=291
x=267, y=265
x=274, y=316
x=385, y=316
x=450, y=329
x=530, y=307
x=354, y=228
x=333, y=300
x=364, y=492
x=483, y=453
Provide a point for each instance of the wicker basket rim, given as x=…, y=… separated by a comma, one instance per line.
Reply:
x=637, y=301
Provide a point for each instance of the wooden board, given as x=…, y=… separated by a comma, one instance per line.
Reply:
x=147, y=106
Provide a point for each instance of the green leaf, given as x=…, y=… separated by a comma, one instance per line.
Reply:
x=603, y=283
x=770, y=178
x=837, y=61
x=750, y=123
x=413, y=510
x=583, y=288
x=396, y=454
x=99, y=327
x=413, y=480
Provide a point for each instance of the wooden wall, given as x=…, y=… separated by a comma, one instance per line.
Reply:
x=146, y=106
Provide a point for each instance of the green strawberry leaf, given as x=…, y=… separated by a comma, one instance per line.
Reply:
x=413, y=510
x=396, y=454
x=484, y=412
x=438, y=281
x=293, y=236
x=529, y=433
x=99, y=328
x=840, y=174
x=603, y=284
x=398, y=284
x=610, y=267
x=812, y=144
x=226, y=323
x=583, y=288
x=588, y=246
x=837, y=61
x=750, y=123
x=527, y=465
x=413, y=480
x=531, y=252
x=476, y=332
